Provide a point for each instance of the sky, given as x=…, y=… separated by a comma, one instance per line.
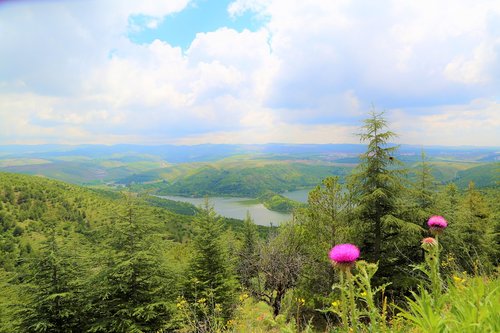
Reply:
x=248, y=71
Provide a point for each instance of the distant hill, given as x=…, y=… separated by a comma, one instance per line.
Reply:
x=250, y=179
x=213, y=152
x=487, y=175
x=232, y=170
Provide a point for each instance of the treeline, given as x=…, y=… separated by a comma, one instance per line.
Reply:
x=78, y=261
x=250, y=180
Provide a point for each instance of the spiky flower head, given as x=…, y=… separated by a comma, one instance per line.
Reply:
x=344, y=255
x=429, y=243
x=437, y=224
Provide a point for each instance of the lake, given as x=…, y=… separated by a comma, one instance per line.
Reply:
x=237, y=208
x=298, y=195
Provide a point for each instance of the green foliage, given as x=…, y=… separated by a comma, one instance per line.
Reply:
x=247, y=265
x=278, y=203
x=52, y=294
x=279, y=266
x=470, y=305
x=209, y=274
x=85, y=260
x=387, y=236
x=482, y=175
x=132, y=289
x=424, y=187
x=378, y=184
x=424, y=312
x=177, y=207
x=473, y=305
x=249, y=181
x=326, y=221
x=366, y=294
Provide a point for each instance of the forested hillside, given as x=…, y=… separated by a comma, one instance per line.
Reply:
x=231, y=170
x=75, y=259
x=252, y=180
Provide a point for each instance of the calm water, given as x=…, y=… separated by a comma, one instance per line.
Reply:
x=237, y=208
x=299, y=195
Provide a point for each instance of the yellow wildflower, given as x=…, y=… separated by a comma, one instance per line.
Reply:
x=181, y=304
x=335, y=304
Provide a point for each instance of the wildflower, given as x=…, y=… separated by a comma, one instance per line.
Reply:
x=301, y=301
x=429, y=243
x=437, y=224
x=344, y=255
x=202, y=300
x=218, y=307
x=458, y=280
x=335, y=304
x=243, y=297
x=363, y=294
x=181, y=303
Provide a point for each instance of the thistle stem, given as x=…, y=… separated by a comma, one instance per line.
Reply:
x=352, y=301
x=343, y=302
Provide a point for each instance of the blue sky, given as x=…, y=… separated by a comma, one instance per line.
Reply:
x=180, y=29
x=248, y=71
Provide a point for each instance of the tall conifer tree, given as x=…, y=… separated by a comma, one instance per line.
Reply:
x=379, y=187
x=134, y=290
x=248, y=257
x=52, y=294
x=210, y=275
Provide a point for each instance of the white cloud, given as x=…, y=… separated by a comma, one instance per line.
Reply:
x=307, y=75
x=476, y=123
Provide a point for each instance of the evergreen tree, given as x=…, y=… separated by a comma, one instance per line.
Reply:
x=447, y=202
x=248, y=257
x=424, y=186
x=325, y=224
x=420, y=200
x=210, y=275
x=134, y=290
x=379, y=188
x=476, y=231
x=52, y=294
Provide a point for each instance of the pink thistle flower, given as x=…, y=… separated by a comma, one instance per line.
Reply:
x=344, y=255
x=437, y=224
x=428, y=243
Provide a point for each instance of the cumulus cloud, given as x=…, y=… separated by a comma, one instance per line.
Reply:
x=475, y=123
x=309, y=74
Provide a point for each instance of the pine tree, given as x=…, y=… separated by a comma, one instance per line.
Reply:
x=421, y=198
x=447, y=202
x=424, y=185
x=248, y=257
x=210, y=275
x=53, y=296
x=379, y=187
x=476, y=231
x=134, y=290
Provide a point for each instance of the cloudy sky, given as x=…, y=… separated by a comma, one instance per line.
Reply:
x=248, y=71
